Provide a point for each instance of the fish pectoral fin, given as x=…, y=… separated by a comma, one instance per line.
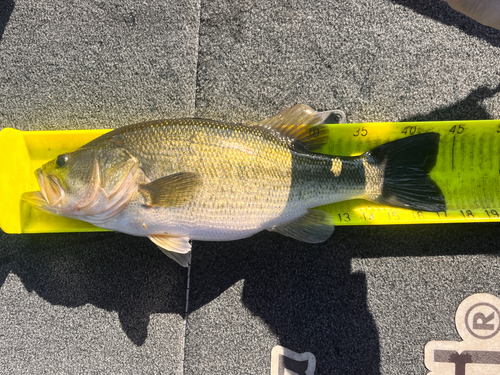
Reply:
x=175, y=247
x=314, y=227
x=174, y=190
x=302, y=125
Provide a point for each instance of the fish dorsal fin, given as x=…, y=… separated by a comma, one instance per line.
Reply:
x=174, y=190
x=314, y=227
x=175, y=247
x=301, y=126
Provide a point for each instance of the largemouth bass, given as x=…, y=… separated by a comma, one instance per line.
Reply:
x=193, y=179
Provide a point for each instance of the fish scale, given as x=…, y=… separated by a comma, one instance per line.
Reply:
x=236, y=180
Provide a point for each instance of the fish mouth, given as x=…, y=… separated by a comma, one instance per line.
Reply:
x=50, y=195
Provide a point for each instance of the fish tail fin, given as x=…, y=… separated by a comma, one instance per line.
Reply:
x=404, y=165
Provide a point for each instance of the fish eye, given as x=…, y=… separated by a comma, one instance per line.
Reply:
x=61, y=160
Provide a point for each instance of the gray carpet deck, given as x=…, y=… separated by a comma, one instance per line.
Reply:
x=364, y=302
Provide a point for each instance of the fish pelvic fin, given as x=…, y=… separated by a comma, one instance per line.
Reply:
x=300, y=126
x=397, y=173
x=181, y=259
x=175, y=247
x=174, y=190
x=314, y=227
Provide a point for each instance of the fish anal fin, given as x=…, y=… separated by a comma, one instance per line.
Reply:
x=174, y=190
x=301, y=125
x=175, y=247
x=314, y=227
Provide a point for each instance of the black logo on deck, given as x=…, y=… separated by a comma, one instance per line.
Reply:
x=286, y=362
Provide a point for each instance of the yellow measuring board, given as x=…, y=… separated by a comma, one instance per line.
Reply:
x=467, y=171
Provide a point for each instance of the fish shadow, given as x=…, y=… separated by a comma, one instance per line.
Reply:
x=6, y=8
x=112, y=271
x=308, y=295
x=304, y=293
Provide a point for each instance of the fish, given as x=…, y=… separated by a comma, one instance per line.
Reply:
x=179, y=180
